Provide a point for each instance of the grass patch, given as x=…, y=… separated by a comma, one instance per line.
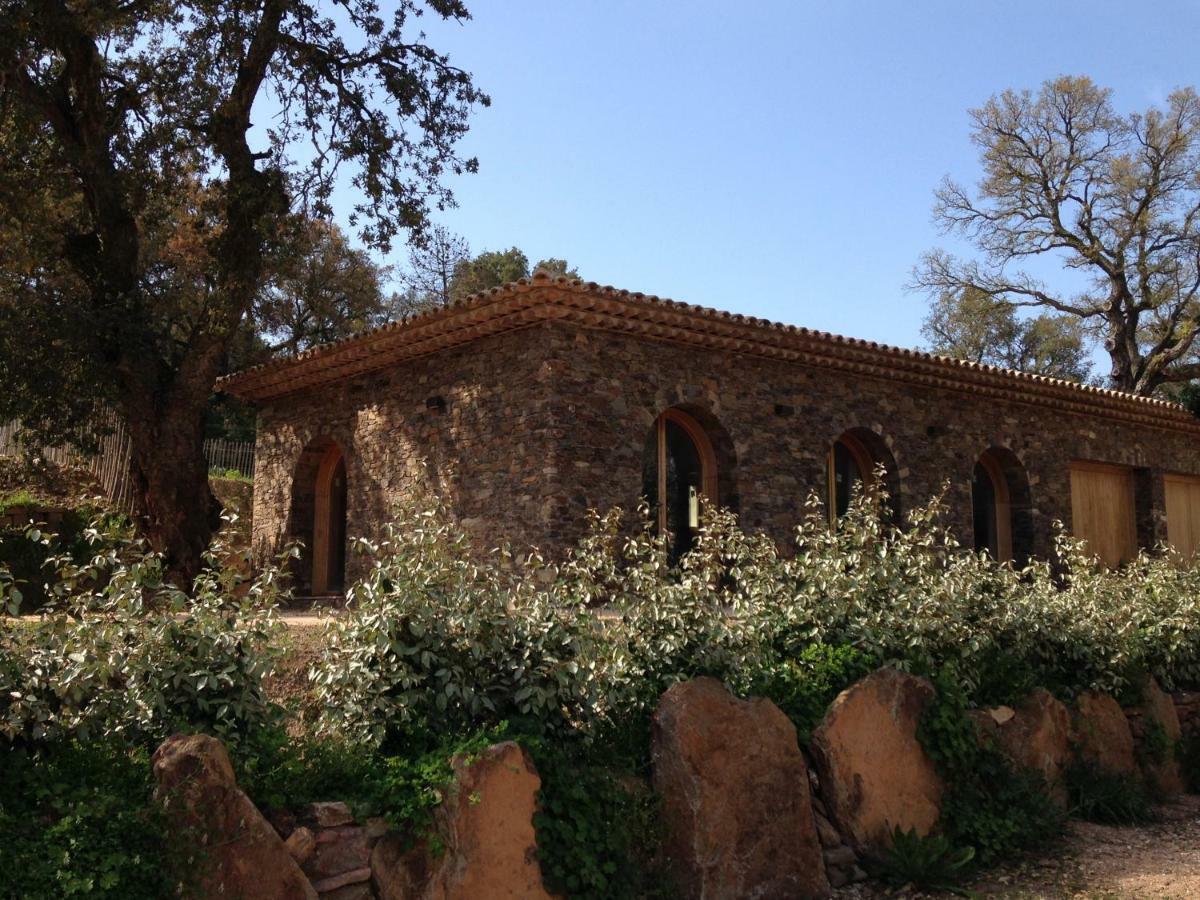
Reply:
x=17, y=498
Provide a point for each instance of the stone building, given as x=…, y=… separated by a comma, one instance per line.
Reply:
x=529, y=404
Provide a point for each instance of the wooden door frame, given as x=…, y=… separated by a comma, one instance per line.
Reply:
x=863, y=458
x=704, y=448
x=1003, y=505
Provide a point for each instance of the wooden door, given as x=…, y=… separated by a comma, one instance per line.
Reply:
x=1102, y=510
x=1183, y=512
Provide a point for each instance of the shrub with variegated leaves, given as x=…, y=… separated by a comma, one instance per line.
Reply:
x=438, y=637
x=121, y=652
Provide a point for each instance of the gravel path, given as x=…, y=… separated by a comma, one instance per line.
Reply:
x=1098, y=862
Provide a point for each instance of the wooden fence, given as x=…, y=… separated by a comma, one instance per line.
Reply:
x=110, y=466
x=236, y=455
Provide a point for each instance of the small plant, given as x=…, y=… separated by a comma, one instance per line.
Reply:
x=1109, y=798
x=596, y=831
x=989, y=805
x=805, y=685
x=929, y=862
x=1155, y=747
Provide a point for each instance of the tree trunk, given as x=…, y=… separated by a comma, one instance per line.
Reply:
x=173, y=503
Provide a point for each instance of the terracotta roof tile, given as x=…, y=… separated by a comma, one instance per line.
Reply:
x=528, y=300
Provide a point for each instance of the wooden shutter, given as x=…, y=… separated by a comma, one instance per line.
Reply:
x=1183, y=512
x=1102, y=510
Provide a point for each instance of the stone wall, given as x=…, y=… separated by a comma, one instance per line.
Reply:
x=779, y=419
x=543, y=423
x=467, y=424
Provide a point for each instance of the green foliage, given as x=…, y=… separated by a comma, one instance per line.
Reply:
x=436, y=637
x=432, y=640
x=1110, y=798
x=123, y=652
x=803, y=686
x=25, y=551
x=929, y=862
x=15, y=499
x=972, y=325
x=404, y=783
x=988, y=806
x=78, y=822
x=595, y=829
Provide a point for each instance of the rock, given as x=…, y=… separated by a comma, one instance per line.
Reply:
x=735, y=796
x=486, y=826
x=376, y=828
x=282, y=820
x=1037, y=735
x=237, y=853
x=338, y=850
x=301, y=845
x=328, y=815
x=841, y=856
x=351, y=892
x=1002, y=715
x=1160, y=762
x=354, y=876
x=826, y=832
x=399, y=872
x=874, y=773
x=360, y=891
x=1102, y=734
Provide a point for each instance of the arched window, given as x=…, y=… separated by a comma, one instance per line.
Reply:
x=1000, y=506
x=318, y=517
x=853, y=460
x=678, y=468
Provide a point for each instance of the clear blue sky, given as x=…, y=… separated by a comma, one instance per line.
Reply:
x=776, y=159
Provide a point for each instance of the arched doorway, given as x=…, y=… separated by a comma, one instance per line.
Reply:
x=318, y=517
x=329, y=524
x=679, y=467
x=852, y=467
x=1001, y=512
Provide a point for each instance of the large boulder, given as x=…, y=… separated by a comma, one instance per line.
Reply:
x=1160, y=734
x=875, y=775
x=1102, y=734
x=735, y=796
x=1036, y=735
x=486, y=827
x=236, y=852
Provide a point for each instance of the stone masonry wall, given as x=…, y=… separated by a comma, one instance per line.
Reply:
x=487, y=452
x=773, y=423
x=543, y=423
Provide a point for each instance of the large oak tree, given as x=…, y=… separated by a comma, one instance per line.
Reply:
x=150, y=152
x=1113, y=198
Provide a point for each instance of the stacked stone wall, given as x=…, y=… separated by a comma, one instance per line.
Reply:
x=541, y=424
